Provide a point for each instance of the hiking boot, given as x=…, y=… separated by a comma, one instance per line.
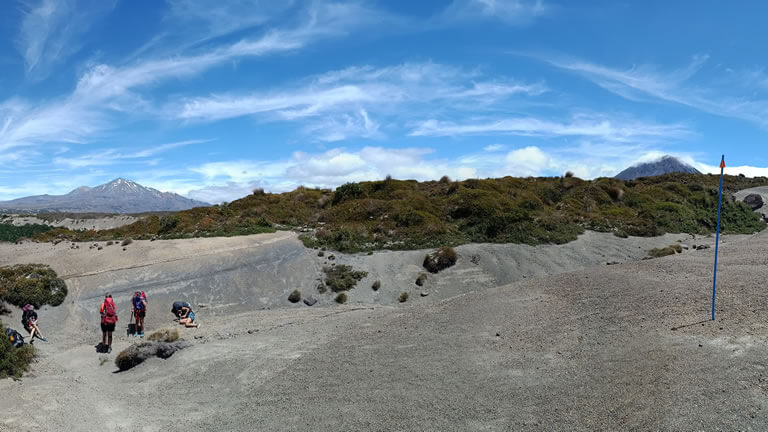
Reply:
x=141, y=335
x=136, y=334
x=109, y=350
x=44, y=339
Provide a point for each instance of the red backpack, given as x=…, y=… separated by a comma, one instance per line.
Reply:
x=109, y=316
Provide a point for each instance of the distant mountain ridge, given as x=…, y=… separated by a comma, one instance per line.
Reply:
x=665, y=165
x=118, y=196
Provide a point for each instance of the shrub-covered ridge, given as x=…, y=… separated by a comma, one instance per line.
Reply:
x=406, y=214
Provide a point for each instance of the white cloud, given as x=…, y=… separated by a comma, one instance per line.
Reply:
x=104, y=90
x=341, y=104
x=677, y=86
x=494, y=148
x=50, y=31
x=514, y=12
x=617, y=130
x=106, y=157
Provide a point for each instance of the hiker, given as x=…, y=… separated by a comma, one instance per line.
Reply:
x=108, y=311
x=29, y=320
x=139, y=310
x=184, y=312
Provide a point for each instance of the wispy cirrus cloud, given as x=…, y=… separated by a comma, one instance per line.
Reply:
x=344, y=103
x=107, y=157
x=104, y=90
x=737, y=99
x=50, y=31
x=513, y=12
x=612, y=130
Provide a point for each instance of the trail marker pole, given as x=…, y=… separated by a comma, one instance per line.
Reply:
x=717, y=235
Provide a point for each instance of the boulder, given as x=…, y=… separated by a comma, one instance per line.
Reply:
x=309, y=301
x=754, y=200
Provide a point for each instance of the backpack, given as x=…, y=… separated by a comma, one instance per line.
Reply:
x=17, y=340
x=110, y=312
x=137, y=301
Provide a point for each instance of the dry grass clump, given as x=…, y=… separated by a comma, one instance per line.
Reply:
x=341, y=298
x=165, y=335
x=295, y=296
x=403, y=297
x=662, y=252
x=342, y=277
x=421, y=279
x=441, y=259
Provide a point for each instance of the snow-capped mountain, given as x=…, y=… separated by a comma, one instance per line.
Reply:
x=665, y=165
x=118, y=196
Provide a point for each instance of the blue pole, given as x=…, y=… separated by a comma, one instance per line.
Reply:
x=717, y=235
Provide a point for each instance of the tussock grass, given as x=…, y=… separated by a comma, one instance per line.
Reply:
x=665, y=251
x=441, y=259
x=403, y=297
x=164, y=335
x=341, y=298
x=421, y=279
x=342, y=277
x=295, y=296
x=376, y=285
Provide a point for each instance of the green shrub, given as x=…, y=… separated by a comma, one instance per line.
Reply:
x=403, y=297
x=342, y=277
x=165, y=335
x=376, y=285
x=441, y=259
x=12, y=233
x=34, y=284
x=295, y=296
x=341, y=298
x=14, y=361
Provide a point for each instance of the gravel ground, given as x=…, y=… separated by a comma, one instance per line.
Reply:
x=587, y=347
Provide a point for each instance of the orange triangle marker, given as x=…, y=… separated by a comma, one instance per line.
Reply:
x=722, y=163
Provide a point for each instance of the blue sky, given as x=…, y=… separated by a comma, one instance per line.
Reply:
x=211, y=99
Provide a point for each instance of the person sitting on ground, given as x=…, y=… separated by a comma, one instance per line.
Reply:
x=184, y=312
x=108, y=311
x=139, y=310
x=29, y=320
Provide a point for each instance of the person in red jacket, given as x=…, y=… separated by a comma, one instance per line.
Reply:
x=108, y=312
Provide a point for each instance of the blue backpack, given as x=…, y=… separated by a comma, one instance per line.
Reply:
x=17, y=340
x=137, y=301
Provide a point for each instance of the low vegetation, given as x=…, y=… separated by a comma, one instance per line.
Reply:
x=342, y=277
x=295, y=296
x=403, y=297
x=164, y=335
x=341, y=298
x=376, y=285
x=421, y=279
x=406, y=214
x=34, y=284
x=440, y=260
x=14, y=361
x=12, y=233
x=665, y=251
